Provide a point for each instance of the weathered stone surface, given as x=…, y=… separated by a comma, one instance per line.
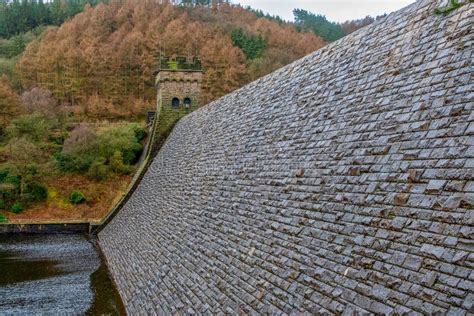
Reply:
x=180, y=85
x=339, y=184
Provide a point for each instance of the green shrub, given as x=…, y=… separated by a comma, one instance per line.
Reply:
x=131, y=156
x=98, y=171
x=112, y=148
x=8, y=191
x=116, y=164
x=16, y=208
x=3, y=219
x=36, y=192
x=3, y=174
x=58, y=138
x=35, y=127
x=10, y=175
x=76, y=197
x=12, y=179
x=9, y=186
x=140, y=132
x=32, y=169
x=71, y=162
x=119, y=138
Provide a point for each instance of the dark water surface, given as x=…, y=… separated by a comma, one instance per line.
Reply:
x=54, y=274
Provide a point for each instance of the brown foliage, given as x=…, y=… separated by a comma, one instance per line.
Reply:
x=104, y=58
x=8, y=102
x=354, y=25
x=100, y=196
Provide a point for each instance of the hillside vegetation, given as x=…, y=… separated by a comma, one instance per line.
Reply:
x=102, y=61
x=21, y=16
x=73, y=94
x=56, y=166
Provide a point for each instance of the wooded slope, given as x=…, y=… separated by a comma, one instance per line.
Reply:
x=102, y=61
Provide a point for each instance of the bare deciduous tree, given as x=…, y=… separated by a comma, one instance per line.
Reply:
x=38, y=100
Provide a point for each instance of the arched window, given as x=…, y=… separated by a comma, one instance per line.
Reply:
x=187, y=102
x=175, y=102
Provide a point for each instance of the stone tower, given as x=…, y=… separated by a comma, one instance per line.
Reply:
x=178, y=82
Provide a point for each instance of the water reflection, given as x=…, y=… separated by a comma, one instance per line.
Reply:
x=14, y=270
x=54, y=274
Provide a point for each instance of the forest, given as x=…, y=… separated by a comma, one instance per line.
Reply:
x=21, y=16
x=78, y=75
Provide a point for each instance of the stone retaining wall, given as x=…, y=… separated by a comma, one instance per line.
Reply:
x=69, y=228
x=341, y=183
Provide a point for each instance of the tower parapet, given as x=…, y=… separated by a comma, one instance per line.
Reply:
x=179, y=63
x=178, y=81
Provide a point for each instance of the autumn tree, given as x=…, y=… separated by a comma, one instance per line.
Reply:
x=226, y=68
x=103, y=60
x=8, y=103
x=354, y=25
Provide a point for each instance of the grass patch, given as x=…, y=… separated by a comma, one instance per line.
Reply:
x=453, y=5
x=60, y=202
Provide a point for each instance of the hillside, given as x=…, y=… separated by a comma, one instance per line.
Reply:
x=73, y=98
x=102, y=61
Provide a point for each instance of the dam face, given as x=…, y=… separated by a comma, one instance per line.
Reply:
x=340, y=184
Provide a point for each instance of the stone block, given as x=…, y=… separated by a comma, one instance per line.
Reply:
x=435, y=186
x=432, y=251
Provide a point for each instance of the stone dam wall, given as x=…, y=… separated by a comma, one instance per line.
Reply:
x=340, y=184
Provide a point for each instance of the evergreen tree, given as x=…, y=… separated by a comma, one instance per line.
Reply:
x=318, y=24
x=252, y=46
x=20, y=16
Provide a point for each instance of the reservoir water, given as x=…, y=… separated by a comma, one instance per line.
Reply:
x=54, y=274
